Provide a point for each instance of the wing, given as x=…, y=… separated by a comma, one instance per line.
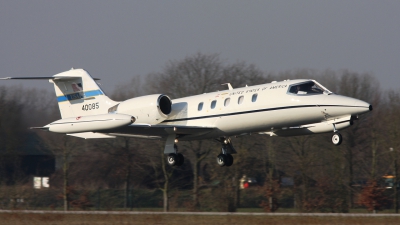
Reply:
x=149, y=131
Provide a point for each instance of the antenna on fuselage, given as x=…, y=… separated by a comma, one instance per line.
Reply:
x=229, y=86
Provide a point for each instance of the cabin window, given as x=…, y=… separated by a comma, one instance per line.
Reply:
x=227, y=101
x=254, y=97
x=307, y=88
x=213, y=104
x=240, y=99
x=200, y=107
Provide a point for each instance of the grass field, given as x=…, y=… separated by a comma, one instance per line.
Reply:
x=86, y=219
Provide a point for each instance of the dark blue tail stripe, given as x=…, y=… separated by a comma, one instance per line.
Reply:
x=79, y=95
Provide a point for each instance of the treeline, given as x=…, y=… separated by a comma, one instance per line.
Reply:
x=318, y=175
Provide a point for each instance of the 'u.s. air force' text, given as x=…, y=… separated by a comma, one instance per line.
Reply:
x=258, y=89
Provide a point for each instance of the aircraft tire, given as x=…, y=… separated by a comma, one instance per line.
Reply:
x=180, y=159
x=229, y=160
x=175, y=159
x=337, y=139
x=221, y=160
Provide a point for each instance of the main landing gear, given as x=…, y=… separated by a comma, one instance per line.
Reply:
x=171, y=150
x=175, y=159
x=337, y=137
x=225, y=158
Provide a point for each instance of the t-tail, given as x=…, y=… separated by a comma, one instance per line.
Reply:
x=83, y=106
x=78, y=94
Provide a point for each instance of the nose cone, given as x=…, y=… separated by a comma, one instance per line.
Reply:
x=362, y=107
x=339, y=106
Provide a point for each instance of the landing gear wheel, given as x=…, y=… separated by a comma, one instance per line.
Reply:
x=225, y=160
x=175, y=159
x=337, y=139
x=221, y=160
x=172, y=159
x=229, y=160
x=180, y=159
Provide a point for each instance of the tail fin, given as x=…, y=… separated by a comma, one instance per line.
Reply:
x=79, y=95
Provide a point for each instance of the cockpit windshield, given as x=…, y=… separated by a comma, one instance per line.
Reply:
x=306, y=88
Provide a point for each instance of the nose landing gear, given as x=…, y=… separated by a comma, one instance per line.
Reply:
x=337, y=137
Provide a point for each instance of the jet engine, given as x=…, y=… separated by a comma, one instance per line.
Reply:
x=150, y=109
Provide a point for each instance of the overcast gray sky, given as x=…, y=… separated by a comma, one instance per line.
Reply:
x=115, y=40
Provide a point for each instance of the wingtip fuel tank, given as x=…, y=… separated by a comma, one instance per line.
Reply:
x=90, y=123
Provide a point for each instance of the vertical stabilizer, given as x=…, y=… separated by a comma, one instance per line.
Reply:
x=79, y=95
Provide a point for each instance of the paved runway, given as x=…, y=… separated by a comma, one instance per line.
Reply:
x=206, y=213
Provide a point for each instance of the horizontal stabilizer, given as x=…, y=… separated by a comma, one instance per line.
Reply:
x=42, y=78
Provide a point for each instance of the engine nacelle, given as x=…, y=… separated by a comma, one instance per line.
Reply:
x=150, y=109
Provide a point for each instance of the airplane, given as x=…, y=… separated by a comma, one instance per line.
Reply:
x=285, y=108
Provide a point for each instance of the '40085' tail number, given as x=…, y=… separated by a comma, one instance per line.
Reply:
x=92, y=106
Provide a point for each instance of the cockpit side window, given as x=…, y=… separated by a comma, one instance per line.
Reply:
x=307, y=88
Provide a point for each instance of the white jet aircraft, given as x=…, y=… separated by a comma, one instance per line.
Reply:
x=286, y=108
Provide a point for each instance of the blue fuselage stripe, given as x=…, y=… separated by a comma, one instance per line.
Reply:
x=79, y=95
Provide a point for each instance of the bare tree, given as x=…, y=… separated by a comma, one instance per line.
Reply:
x=193, y=75
x=122, y=151
x=128, y=90
x=65, y=148
x=162, y=180
x=392, y=139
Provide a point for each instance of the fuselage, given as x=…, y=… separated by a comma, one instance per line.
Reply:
x=287, y=108
x=262, y=108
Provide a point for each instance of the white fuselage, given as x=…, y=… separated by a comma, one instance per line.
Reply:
x=273, y=108
x=287, y=108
